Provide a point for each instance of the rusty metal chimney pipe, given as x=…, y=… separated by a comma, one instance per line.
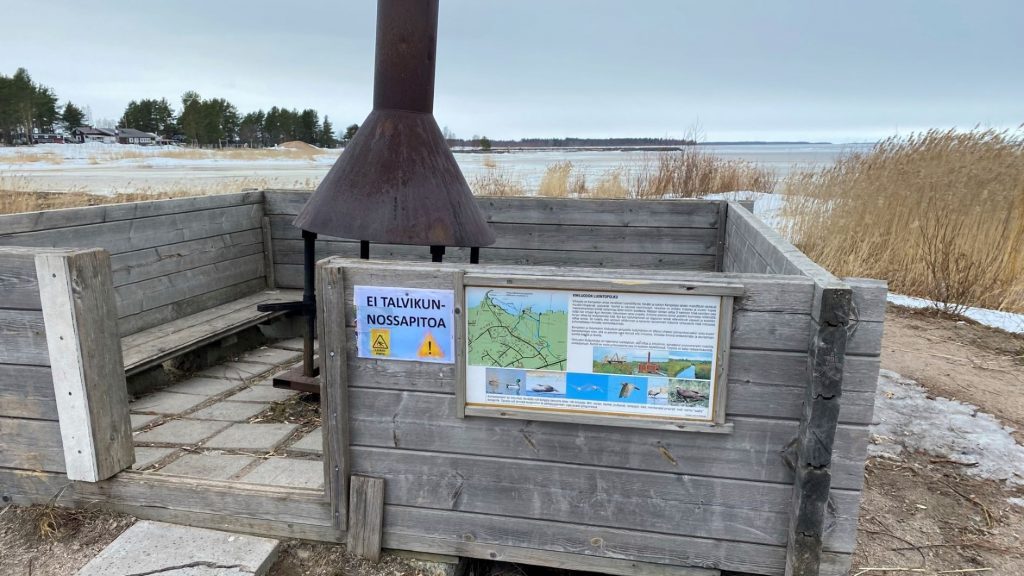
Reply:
x=403, y=73
x=397, y=181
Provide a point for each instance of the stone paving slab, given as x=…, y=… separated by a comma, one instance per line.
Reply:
x=312, y=442
x=236, y=371
x=181, y=432
x=288, y=472
x=146, y=457
x=202, y=386
x=157, y=548
x=140, y=420
x=262, y=394
x=208, y=466
x=261, y=437
x=289, y=344
x=272, y=356
x=166, y=403
x=230, y=411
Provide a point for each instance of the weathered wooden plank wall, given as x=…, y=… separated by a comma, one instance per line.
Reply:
x=170, y=258
x=652, y=235
x=713, y=500
x=29, y=432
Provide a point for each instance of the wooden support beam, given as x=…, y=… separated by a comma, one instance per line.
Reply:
x=268, y=253
x=80, y=316
x=723, y=215
x=813, y=461
x=366, y=517
x=332, y=332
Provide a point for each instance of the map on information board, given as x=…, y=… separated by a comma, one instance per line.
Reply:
x=517, y=329
x=629, y=354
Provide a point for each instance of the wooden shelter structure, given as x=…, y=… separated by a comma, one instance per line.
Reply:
x=88, y=295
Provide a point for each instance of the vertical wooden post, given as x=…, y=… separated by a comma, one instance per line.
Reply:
x=460, y=343
x=817, y=428
x=268, y=253
x=723, y=215
x=334, y=387
x=366, y=518
x=77, y=295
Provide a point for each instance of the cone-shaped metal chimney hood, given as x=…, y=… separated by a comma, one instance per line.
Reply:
x=397, y=182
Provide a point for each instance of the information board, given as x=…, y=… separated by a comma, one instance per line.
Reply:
x=405, y=324
x=626, y=354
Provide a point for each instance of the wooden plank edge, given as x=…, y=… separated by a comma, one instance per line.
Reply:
x=599, y=420
x=551, y=559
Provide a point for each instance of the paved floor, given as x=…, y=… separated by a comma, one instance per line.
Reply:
x=229, y=423
x=158, y=548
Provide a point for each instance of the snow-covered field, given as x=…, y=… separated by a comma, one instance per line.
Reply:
x=107, y=168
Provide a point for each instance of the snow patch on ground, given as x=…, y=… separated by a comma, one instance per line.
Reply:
x=909, y=418
x=1016, y=501
x=1008, y=321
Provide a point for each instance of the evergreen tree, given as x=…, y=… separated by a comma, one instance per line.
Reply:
x=189, y=121
x=154, y=116
x=350, y=133
x=250, y=129
x=326, y=138
x=72, y=117
x=25, y=107
x=309, y=126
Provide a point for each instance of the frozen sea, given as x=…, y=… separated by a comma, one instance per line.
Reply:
x=88, y=168
x=529, y=167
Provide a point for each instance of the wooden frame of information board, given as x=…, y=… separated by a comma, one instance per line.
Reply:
x=716, y=422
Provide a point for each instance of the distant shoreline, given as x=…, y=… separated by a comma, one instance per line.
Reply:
x=597, y=148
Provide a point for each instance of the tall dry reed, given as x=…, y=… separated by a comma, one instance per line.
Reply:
x=939, y=215
x=497, y=182
x=689, y=173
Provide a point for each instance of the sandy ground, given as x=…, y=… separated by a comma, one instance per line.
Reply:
x=923, y=513
x=959, y=360
x=920, y=515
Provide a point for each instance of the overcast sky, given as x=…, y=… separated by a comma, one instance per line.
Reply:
x=780, y=70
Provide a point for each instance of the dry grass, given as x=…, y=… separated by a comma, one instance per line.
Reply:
x=22, y=194
x=689, y=173
x=497, y=182
x=31, y=157
x=939, y=215
x=111, y=153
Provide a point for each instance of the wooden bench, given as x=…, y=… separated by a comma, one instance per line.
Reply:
x=156, y=345
x=185, y=272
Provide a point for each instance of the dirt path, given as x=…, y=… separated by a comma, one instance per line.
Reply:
x=959, y=360
x=922, y=512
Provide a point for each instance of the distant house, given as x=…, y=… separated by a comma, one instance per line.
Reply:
x=84, y=134
x=133, y=136
x=48, y=139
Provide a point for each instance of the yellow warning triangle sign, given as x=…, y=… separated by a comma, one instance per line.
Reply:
x=429, y=348
x=380, y=341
